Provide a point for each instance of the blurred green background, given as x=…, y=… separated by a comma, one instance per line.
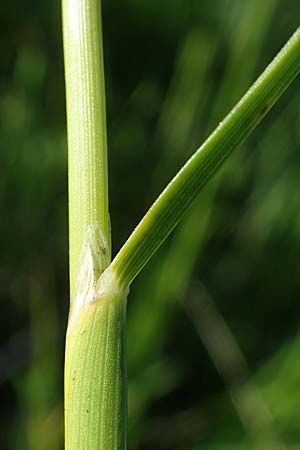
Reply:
x=213, y=345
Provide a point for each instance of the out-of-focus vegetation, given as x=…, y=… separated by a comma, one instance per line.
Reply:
x=213, y=353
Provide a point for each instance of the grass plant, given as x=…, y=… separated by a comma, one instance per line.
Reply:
x=95, y=367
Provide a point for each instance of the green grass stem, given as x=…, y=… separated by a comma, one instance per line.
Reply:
x=95, y=375
x=86, y=120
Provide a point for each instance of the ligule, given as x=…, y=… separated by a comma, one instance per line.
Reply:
x=94, y=259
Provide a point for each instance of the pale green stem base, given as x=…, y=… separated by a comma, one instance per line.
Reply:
x=95, y=372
